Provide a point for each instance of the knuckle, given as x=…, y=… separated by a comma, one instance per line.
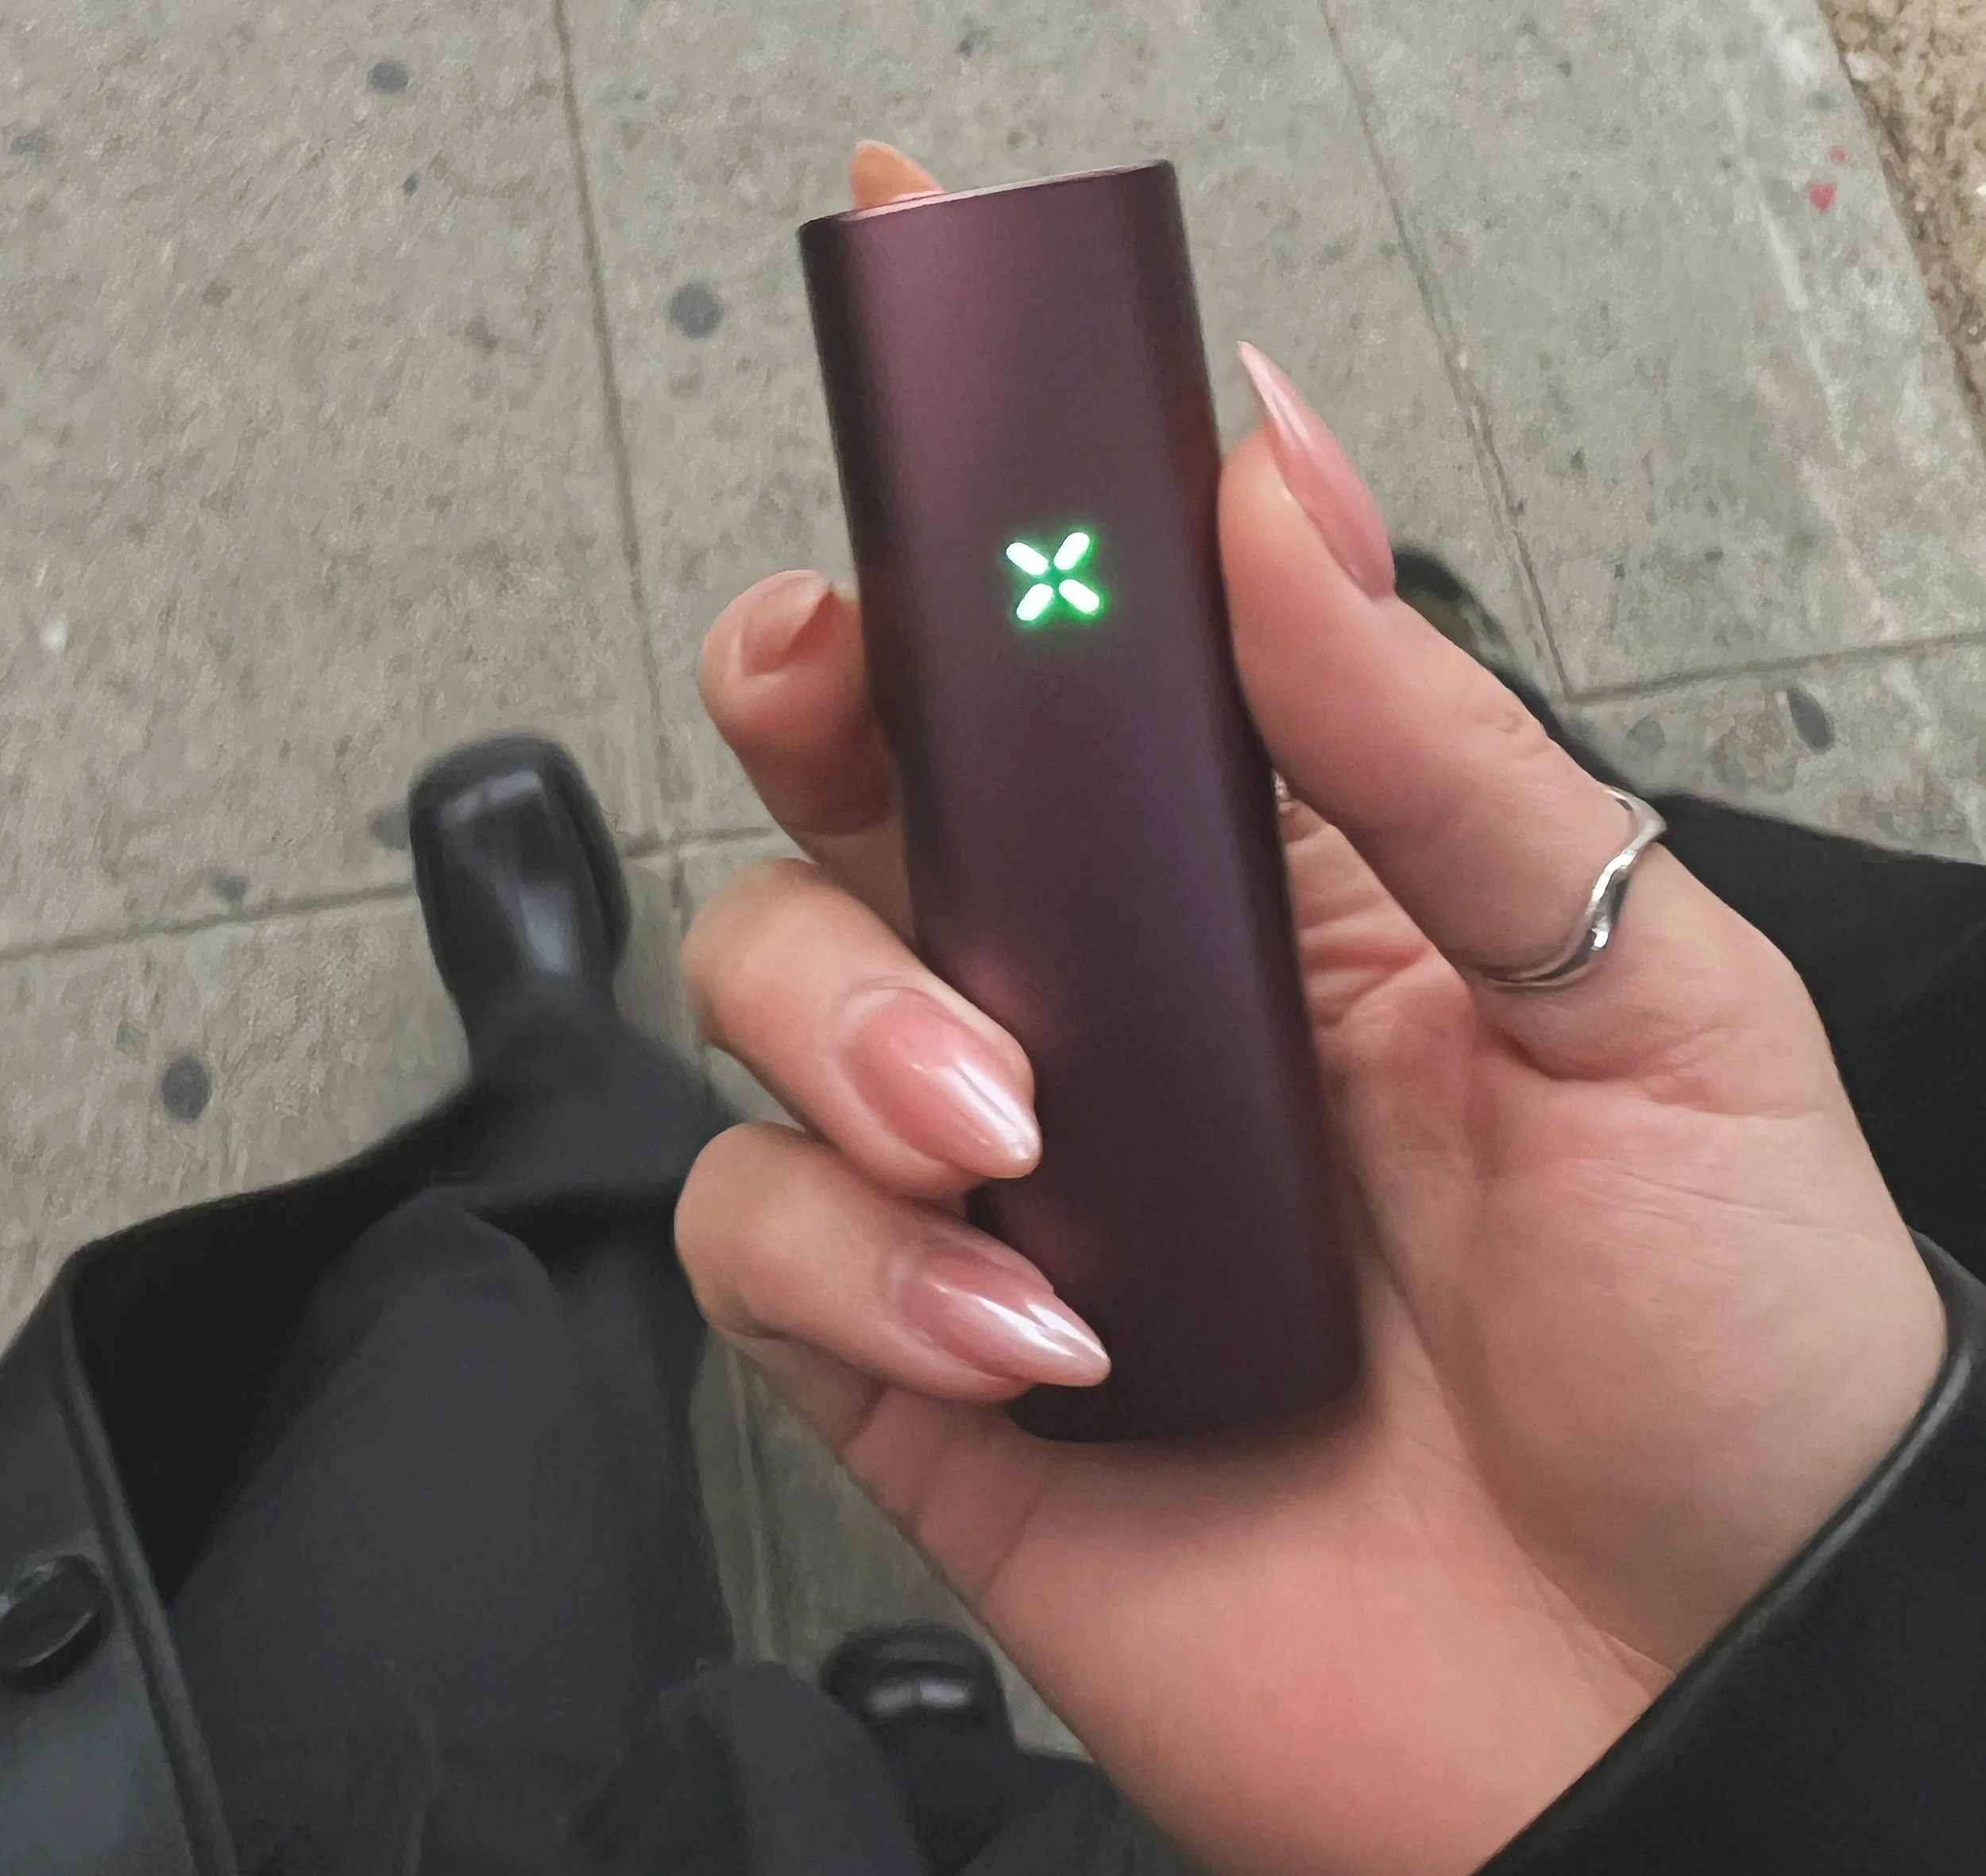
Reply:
x=1495, y=751
x=1505, y=721
x=738, y=1203
x=1771, y=980
x=731, y=949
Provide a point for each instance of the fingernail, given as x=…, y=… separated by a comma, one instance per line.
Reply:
x=939, y=1087
x=880, y=173
x=776, y=613
x=999, y=1316
x=1319, y=474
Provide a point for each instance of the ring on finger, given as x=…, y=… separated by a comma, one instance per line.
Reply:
x=1594, y=932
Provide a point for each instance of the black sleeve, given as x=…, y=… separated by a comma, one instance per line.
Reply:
x=1838, y=1725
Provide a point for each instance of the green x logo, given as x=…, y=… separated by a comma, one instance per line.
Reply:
x=1052, y=586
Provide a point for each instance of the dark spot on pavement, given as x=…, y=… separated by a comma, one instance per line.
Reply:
x=1713, y=554
x=412, y=182
x=1815, y=726
x=230, y=886
x=388, y=76
x=215, y=293
x=1757, y=755
x=29, y=143
x=130, y=1038
x=1646, y=736
x=387, y=825
x=694, y=309
x=971, y=40
x=478, y=332
x=185, y=1088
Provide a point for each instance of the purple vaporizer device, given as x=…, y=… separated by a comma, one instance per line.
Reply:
x=1025, y=435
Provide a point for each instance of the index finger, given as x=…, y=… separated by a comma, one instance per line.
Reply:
x=784, y=681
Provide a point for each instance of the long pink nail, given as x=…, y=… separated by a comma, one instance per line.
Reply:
x=995, y=1312
x=1320, y=476
x=776, y=613
x=940, y=1087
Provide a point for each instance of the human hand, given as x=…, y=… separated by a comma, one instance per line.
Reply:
x=1639, y=1311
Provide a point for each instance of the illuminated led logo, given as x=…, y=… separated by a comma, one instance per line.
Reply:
x=1053, y=591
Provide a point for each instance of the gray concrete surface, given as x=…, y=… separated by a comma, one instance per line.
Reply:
x=370, y=376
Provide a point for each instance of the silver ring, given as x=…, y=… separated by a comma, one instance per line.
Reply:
x=1595, y=931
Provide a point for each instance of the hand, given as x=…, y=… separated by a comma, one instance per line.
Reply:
x=1638, y=1310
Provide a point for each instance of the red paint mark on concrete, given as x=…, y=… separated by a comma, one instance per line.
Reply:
x=1838, y=154
x=1821, y=196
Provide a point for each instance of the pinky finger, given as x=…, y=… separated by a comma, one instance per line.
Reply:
x=788, y=1248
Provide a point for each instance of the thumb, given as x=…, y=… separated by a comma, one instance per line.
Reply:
x=1487, y=833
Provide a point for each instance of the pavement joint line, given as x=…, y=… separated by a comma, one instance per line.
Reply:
x=1475, y=414
x=306, y=906
x=104, y=938
x=777, y=1585
x=615, y=411
x=772, y=1632
x=1767, y=668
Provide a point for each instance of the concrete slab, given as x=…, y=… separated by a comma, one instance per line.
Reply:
x=1659, y=240
x=182, y=1067
x=1891, y=749
x=186, y=1066
x=711, y=131
x=302, y=460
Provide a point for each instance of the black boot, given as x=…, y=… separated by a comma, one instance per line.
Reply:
x=916, y=1672
x=519, y=880
x=1451, y=604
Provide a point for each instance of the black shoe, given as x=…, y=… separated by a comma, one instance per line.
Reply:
x=518, y=878
x=1449, y=603
x=918, y=1673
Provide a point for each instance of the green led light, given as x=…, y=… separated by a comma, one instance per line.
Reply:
x=1044, y=598
x=1068, y=556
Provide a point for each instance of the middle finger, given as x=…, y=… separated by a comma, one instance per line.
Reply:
x=828, y=1007
x=785, y=680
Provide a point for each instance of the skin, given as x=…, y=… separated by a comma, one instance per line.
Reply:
x=1640, y=1311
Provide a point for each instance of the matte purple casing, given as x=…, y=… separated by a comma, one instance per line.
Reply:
x=1093, y=851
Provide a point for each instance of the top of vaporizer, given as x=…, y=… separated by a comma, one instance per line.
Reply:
x=937, y=198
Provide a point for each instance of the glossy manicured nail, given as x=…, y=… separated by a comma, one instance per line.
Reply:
x=996, y=1312
x=1319, y=474
x=940, y=1087
x=776, y=613
x=879, y=173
